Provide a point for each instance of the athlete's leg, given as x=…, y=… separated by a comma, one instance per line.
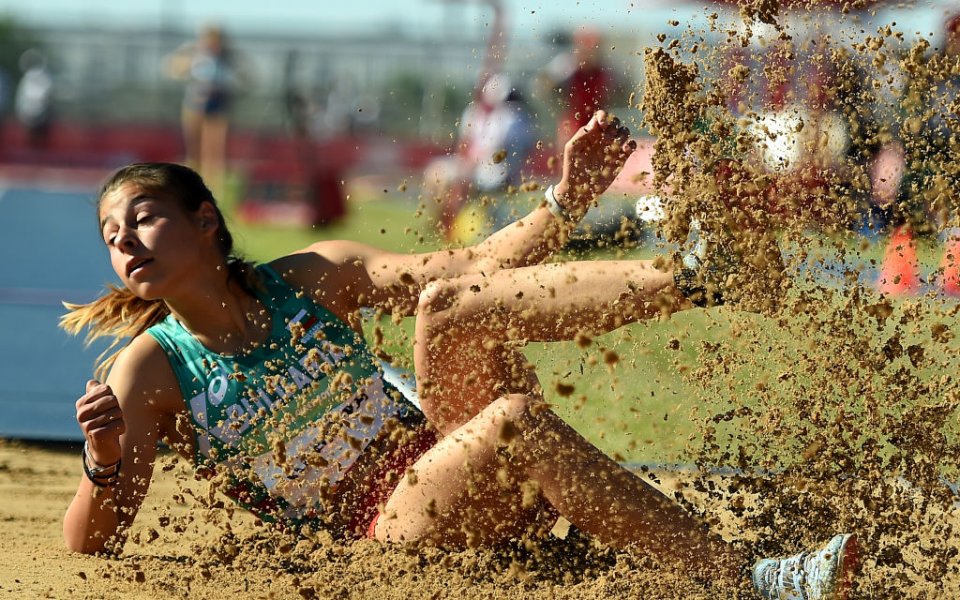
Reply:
x=479, y=485
x=465, y=491
x=191, y=123
x=474, y=386
x=466, y=327
x=213, y=149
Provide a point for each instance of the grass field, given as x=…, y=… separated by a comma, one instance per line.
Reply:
x=646, y=407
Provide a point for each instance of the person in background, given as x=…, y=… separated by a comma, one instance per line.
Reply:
x=33, y=102
x=496, y=136
x=581, y=80
x=214, y=75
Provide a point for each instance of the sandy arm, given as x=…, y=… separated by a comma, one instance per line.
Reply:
x=348, y=275
x=121, y=419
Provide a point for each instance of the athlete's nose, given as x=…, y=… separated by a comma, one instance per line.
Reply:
x=126, y=238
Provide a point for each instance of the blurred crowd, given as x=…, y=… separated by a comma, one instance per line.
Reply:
x=857, y=134
x=860, y=136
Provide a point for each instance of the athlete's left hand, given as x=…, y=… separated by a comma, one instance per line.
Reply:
x=592, y=159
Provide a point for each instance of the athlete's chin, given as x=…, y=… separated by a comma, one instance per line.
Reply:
x=145, y=291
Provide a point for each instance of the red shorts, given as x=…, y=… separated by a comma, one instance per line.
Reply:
x=388, y=474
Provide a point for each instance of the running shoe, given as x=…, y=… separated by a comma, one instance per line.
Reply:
x=822, y=575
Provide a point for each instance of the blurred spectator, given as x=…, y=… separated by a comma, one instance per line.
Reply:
x=495, y=138
x=826, y=132
x=780, y=117
x=814, y=129
x=6, y=95
x=942, y=149
x=214, y=75
x=925, y=139
x=297, y=106
x=321, y=181
x=842, y=139
x=33, y=103
x=886, y=174
x=582, y=79
x=736, y=68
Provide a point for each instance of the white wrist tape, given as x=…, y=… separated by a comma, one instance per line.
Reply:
x=555, y=208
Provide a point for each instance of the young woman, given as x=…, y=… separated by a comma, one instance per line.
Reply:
x=260, y=376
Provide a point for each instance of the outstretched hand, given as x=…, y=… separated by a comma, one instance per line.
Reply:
x=592, y=159
x=101, y=420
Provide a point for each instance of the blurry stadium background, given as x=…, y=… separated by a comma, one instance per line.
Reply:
x=382, y=98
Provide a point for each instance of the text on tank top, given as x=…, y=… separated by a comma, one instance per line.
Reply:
x=290, y=417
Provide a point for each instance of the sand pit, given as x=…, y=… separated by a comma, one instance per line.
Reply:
x=827, y=408
x=180, y=550
x=173, y=552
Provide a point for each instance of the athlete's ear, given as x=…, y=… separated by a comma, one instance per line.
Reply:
x=207, y=216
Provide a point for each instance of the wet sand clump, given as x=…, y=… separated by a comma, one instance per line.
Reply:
x=836, y=408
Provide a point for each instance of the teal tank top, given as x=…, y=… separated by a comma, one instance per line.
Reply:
x=288, y=419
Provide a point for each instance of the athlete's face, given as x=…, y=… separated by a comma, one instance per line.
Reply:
x=154, y=243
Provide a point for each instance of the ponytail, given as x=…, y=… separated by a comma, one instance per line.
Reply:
x=117, y=314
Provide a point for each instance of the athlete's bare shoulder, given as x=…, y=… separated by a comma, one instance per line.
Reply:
x=329, y=256
x=143, y=380
x=333, y=272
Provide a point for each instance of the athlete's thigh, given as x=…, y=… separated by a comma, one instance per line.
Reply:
x=554, y=302
x=463, y=492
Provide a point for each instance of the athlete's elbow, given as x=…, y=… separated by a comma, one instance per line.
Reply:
x=84, y=542
x=81, y=546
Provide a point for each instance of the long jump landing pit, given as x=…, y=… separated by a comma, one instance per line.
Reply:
x=179, y=549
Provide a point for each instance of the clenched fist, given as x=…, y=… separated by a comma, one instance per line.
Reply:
x=101, y=420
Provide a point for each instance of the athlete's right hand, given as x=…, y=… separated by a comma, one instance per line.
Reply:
x=592, y=159
x=101, y=420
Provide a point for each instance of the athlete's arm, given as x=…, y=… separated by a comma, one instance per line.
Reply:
x=592, y=159
x=121, y=419
x=348, y=275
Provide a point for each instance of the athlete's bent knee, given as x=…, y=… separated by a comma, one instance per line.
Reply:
x=509, y=408
x=437, y=296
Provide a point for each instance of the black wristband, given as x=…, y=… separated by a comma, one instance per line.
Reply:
x=98, y=478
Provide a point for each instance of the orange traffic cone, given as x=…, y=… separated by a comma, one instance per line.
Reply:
x=900, y=272
x=950, y=279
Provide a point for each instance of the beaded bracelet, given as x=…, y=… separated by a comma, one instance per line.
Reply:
x=554, y=206
x=96, y=474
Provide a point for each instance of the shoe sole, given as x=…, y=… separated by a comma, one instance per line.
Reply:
x=848, y=563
